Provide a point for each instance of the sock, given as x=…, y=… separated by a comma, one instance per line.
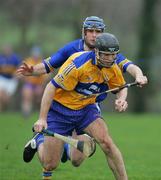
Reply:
x=39, y=139
x=66, y=153
x=67, y=148
x=47, y=175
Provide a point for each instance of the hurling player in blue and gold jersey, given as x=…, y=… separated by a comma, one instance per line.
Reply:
x=69, y=103
x=92, y=26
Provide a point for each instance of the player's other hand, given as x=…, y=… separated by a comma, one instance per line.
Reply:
x=39, y=125
x=141, y=80
x=24, y=70
x=121, y=105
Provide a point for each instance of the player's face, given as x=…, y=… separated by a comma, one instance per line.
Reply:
x=106, y=59
x=90, y=37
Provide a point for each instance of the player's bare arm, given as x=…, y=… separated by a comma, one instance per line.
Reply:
x=120, y=102
x=45, y=105
x=137, y=73
x=26, y=70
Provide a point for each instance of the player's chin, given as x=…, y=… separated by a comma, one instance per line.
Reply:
x=91, y=45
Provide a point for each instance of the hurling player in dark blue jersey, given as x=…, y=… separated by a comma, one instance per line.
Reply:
x=9, y=62
x=92, y=27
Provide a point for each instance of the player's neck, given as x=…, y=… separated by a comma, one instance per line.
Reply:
x=87, y=48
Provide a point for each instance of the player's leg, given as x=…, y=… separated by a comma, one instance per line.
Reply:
x=51, y=151
x=39, y=89
x=73, y=154
x=27, y=97
x=3, y=100
x=4, y=83
x=76, y=156
x=56, y=112
x=98, y=129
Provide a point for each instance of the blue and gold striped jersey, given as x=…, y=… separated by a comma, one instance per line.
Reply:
x=58, y=58
x=80, y=76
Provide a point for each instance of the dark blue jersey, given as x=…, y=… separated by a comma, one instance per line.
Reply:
x=9, y=64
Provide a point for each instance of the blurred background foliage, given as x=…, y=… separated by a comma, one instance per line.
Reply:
x=51, y=23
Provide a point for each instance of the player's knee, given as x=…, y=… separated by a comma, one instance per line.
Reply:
x=77, y=158
x=76, y=163
x=107, y=145
x=50, y=166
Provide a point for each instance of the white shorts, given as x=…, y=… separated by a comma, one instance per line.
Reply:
x=8, y=85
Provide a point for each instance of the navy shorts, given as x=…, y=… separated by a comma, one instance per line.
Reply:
x=63, y=120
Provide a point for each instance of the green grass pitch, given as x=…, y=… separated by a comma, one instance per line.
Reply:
x=137, y=136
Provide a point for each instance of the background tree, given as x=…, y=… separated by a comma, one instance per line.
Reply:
x=22, y=13
x=147, y=42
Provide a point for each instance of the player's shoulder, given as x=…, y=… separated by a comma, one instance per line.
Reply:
x=76, y=44
x=83, y=57
x=120, y=56
x=71, y=48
